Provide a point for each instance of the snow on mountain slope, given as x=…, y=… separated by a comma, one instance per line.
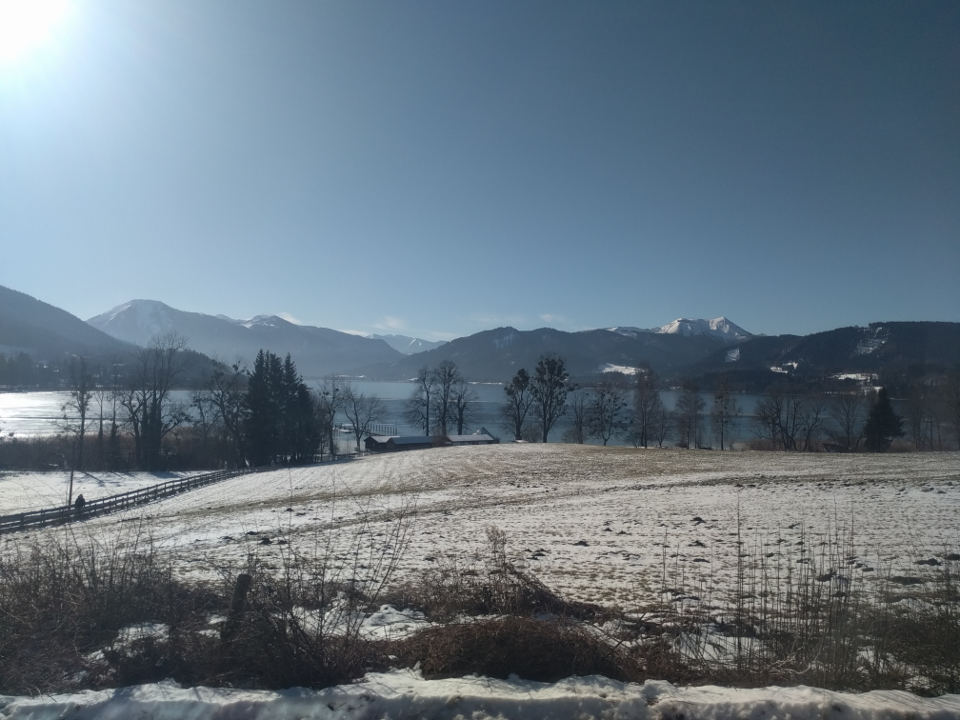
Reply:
x=137, y=321
x=719, y=327
x=408, y=345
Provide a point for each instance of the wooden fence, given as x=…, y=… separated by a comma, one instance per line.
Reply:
x=103, y=506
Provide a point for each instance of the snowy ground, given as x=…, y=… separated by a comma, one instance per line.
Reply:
x=602, y=525
x=403, y=694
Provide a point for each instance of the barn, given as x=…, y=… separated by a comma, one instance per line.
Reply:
x=389, y=443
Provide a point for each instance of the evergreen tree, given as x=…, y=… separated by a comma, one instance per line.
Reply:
x=306, y=429
x=262, y=413
x=281, y=413
x=883, y=424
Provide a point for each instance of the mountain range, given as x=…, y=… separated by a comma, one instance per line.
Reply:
x=317, y=351
x=496, y=355
x=694, y=348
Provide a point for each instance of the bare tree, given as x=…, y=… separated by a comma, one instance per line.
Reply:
x=104, y=400
x=518, y=403
x=421, y=401
x=222, y=405
x=687, y=413
x=926, y=406
x=146, y=397
x=463, y=399
x=812, y=412
x=549, y=388
x=846, y=410
x=605, y=412
x=114, y=397
x=203, y=417
x=579, y=413
x=952, y=397
x=789, y=421
x=445, y=377
x=660, y=423
x=647, y=406
x=75, y=415
x=362, y=411
x=330, y=399
x=778, y=418
x=768, y=419
x=725, y=410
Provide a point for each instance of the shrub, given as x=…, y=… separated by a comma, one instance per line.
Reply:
x=544, y=650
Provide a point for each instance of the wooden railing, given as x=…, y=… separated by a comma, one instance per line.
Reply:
x=102, y=506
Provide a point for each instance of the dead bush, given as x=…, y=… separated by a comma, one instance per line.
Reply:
x=543, y=650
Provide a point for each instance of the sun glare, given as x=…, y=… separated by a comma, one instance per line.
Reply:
x=27, y=25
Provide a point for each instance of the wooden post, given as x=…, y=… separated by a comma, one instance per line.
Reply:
x=240, y=590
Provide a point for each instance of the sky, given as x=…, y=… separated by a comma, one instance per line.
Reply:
x=439, y=168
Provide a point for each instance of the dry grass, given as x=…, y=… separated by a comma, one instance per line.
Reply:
x=63, y=605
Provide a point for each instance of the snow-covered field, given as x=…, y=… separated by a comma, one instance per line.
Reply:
x=595, y=524
x=606, y=525
x=25, y=491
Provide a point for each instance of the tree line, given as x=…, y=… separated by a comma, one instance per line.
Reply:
x=124, y=415
x=127, y=417
x=784, y=418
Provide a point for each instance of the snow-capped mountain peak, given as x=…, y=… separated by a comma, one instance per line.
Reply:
x=265, y=321
x=146, y=318
x=719, y=327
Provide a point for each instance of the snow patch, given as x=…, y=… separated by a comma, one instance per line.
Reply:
x=622, y=369
x=858, y=377
x=784, y=368
x=872, y=340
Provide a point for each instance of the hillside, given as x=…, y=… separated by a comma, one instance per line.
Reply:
x=47, y=333
x=879, y=348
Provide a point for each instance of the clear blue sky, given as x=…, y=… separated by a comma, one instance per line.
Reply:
x=438, y=168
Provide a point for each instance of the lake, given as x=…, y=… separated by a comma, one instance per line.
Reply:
x=27, y=414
